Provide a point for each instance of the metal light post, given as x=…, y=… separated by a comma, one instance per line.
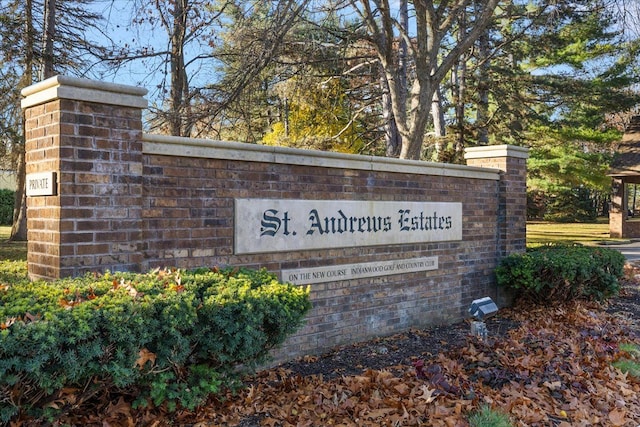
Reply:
x=480, y=310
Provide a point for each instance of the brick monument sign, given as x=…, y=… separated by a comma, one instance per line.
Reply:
x=385, y=244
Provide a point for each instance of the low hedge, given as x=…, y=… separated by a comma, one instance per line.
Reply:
x=7, y=200
x=173, y=336
x=556, y=273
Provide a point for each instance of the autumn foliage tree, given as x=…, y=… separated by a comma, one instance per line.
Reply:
x=317, y=116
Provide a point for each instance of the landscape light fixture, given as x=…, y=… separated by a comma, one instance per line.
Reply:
x=481, y=309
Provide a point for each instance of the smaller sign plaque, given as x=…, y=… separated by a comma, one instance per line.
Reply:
x=41, y=184
x=332, y=273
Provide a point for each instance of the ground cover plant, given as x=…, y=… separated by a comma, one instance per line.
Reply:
x=629, y=363
x=488, y=417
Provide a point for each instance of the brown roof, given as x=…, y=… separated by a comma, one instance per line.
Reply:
x=626, y=161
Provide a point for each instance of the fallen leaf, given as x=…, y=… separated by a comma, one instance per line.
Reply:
x=120, y=407
x=67, y=305
x=8, y=322
x=379, y=413
x=427, y=394
x=403, y=389
x=31, y=317
x=555, y=385
x=144, y=357
x=618, y=417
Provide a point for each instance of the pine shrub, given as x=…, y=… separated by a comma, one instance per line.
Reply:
x=174, y=336
x=488, y=417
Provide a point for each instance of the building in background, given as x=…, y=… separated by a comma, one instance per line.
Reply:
x=7, y=179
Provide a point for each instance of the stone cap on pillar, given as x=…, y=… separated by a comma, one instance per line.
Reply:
x=488, y=151
x=77, y=89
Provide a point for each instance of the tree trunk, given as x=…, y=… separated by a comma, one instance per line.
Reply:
x=482, y=112
x=439, y=128
x=391, y=137
x=420, y=107
x=402, y=72
x=460, y=88
x=179, y=84
x=437, y=114
x=285, y=119
x=430, y=26
x=48, y=36
x=19, y=227
x=393, y=140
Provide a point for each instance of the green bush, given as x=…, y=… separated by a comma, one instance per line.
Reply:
x=7, y=200
x=549, y=274
x=173, y=336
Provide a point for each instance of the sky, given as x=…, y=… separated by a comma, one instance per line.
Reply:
x=116, y=30
x=150, y=72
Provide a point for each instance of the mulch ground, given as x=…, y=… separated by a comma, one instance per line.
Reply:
x=544, y=366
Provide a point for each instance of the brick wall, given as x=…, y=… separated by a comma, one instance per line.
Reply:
x=129, y=201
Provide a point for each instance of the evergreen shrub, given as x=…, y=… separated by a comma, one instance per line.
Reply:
x=174, y=337
x=560, y=273
x=6, y=206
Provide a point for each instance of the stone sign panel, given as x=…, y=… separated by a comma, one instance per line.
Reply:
x=275, y=225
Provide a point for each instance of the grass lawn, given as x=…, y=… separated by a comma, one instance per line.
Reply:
x=4, y=233
x=540, y=232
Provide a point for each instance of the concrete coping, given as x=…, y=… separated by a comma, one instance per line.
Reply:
x=74, y=88
x=205, y=148
x=488, y=151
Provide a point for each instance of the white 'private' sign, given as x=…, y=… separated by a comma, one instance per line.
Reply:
x=274, y=225
x=41, y=184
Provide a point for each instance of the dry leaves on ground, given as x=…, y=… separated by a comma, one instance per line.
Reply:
x=554, y=370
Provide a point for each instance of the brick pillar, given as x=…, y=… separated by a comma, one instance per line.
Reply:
x=86, y=137
x=617, y=209
x=512, y=215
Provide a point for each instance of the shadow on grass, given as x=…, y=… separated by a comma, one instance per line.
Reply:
x=12, y=251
